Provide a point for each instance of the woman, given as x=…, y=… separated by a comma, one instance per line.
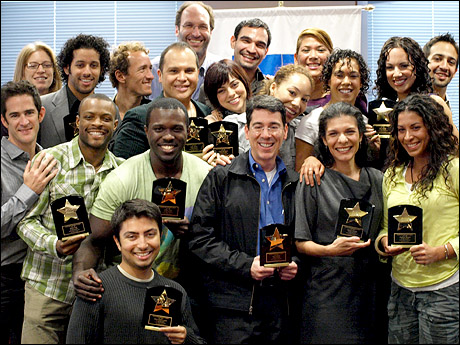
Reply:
x=345, y=75
x=403, y=70
x=37, y=63
x=292, y=84
x=339, y=272
x=423, y=171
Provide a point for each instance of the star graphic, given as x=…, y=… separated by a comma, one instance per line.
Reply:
x=222, y=135
x=194, y=131
x=405, y=220
x=382, y=112
x=162, y=302
x=275, y=240
x=169, y=194
x=355, y=214
x=69, y=211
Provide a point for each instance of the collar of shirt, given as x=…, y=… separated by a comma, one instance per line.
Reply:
x=72, y=99
x=76, y=157
x=15, y=152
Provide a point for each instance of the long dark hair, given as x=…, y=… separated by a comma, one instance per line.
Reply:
x=442, y=146
x=333, y=111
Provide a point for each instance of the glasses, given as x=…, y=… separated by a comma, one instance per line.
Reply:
x=201, y=28
x=274, y=129
x=34, y=65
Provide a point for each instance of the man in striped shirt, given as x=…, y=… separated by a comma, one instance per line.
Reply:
x=83, y=164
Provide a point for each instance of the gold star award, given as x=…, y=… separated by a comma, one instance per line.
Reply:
x=354, y=218
x=382, y=112
x=162, y=307
x=355, y=214
x=222, y=135
x=275, y=246
x=70, y=217
x=169, y=194
x=405, y=225
x=69, y=211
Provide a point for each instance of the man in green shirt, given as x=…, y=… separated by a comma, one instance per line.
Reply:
x=83, y=163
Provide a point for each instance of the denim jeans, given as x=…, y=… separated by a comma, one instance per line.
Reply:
x=429, y=317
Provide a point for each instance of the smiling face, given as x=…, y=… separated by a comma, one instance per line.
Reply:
x=179, y=76
x=294, y=92
x=139, y=245
x=250, y=47
x=96, y=123
x=139, y=77
x=232, y=95
x=22, y=120
x=83, y=72
x=265, y=134
x=41, y=77
x=194, y=29
x=345, y=83
x=413, y=134
x=342, y=138
x=400, y=72
x=442, y=63
x=312, y=54
x=167, y=133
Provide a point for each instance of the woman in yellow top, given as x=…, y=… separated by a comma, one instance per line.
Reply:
x=423, y=171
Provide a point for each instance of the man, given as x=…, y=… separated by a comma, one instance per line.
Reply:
x=83, y=63
x=22, y=183
x=117, y=318
x=166, y=128
x=194, y=25
x=248, y=302
x=442, y=54
x=178, y=74
x=130, y=72
x=250, y=43
x=83, y=163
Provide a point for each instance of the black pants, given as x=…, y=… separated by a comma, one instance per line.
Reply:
x=12, y=302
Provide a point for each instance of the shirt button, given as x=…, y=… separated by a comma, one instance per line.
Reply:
x=268, y=202
x=263, y=180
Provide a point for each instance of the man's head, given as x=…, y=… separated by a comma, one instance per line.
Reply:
x=83, y=62
x=131, y=69
x=96, y=121
x=136, y=226
x=442, y=54
x=22, y=113
x=266, y=128
x=250, y=43
x=194, y=25
x=166, y=128
x=178, y=71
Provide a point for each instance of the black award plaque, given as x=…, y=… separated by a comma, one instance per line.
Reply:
x=379, y=110
x=162, y=308
x=354, y=219
x=197, y=137
x=70, y=217
x=225, y=137
x=405, y=225
x=169, y=194
x=70, y=126
x=275, y=246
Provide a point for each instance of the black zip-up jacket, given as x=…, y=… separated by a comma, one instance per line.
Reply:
x=224, y=229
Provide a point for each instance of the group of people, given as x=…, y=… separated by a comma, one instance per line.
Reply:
x=305, y=145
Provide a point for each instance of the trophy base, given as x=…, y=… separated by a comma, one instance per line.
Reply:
x=402, y=245
x=73, y=236
x=281, y=264
x=152, y=328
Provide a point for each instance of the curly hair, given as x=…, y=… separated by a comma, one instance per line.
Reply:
x=442, y=145
x=336, y=110
x=283, y=74
x=83, y=41
x=417, y=59
x=345, y=55
x=119, y=59
x=218, y=74
x=24, y=56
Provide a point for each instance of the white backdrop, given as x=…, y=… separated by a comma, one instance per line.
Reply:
x=342, y=23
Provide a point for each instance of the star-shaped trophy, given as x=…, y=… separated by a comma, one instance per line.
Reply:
x=222, y=135
x=69, y=211
x=275, y=245
x=405, y=225
x=169, y=194
x=355, y=214
x=194, y=131
x=379, y=109
x=162, y=308
x=197, y=136
x=70, y=217
x=225, y=137
x=382, y=112
x=162, y=302
x=354, y=218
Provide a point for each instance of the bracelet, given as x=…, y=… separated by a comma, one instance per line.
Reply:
x=447, y=251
